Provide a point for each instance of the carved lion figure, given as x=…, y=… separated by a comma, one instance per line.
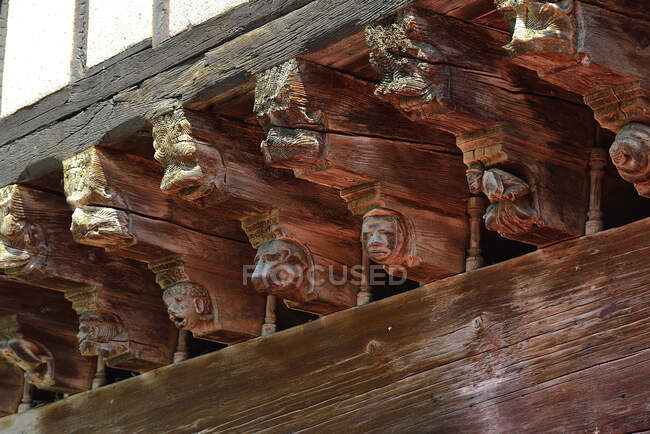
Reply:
x=630, y=153
x=283, y=268
x=189, y=306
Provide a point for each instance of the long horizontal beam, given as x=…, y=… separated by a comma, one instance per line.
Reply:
x=216, y=72
x=553, y=340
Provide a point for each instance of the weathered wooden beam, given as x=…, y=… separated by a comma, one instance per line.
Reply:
x=36, y=247
x=201, y=276
x=492, y=130
x=213, y=74
x=466, y=352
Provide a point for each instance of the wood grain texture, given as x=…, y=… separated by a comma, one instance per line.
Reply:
x=214, y=73
x=562, y=344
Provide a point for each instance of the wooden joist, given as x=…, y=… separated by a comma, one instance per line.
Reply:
x=562, y=343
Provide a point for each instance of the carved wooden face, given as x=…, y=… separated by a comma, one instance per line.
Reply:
x=381, y=236
x=31, y=357
x=475, y=179
x=281, y=267
x=97, y=332
x=630, y=152
x=188, y=305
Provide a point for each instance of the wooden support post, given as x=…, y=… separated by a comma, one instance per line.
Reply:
x=364, y=296
x=475, y=210
x=181, y=347
x=26, y=400
x=270, y=326
x=99, y=379
x=597, y=165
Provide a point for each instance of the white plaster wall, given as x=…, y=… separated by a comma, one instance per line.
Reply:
x=115, y=25
x=188, y=13
x=38, y=50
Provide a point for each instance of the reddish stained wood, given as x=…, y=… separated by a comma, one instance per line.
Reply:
x=468, y=351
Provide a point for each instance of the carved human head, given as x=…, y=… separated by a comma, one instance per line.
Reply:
x=386, y=237
x=188, y=305
x=31, y=357
x=630, y=152
x=101, y=332
x=282, y=267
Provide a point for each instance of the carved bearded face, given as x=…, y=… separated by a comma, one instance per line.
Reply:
x=630, y=152
x=188, y=305
x=381, y=235
x=281, y=267
x=98, y=332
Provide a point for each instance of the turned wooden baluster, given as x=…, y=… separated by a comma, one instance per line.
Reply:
x=181, y=347
x=364, y=296
x=99, y=379
x=475, y=209
x=597, y=172
x=270, y=326
x=26, y=401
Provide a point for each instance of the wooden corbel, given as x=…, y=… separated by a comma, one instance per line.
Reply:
x=286, y=268
x=54, y=367
x=11, y=387
x=192, y=170
x=570, y=44
x=212, y=307
x=407, y=240
x=630, y=153
x=125, y=331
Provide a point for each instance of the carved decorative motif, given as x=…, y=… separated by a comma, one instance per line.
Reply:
x=630, y=153
x=617, y=106
x=388, y=239
x=295, y=137
x=295, y=149
x=263, y=227
x=363, y=198
x=510, y=212
x=418, y=88
x=539, y=26
x=188, y=304
x=30, y=356
x=186, y=173
x=85, y=186
x=101, y=332
x=22, y=244
x=283, y=268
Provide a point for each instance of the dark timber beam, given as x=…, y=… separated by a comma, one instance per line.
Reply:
x=563, y=345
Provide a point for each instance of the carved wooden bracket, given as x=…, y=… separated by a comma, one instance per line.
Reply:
x=288, y=269
x=630, y=153
x=411, y=78
x=23, y=247
x=21, y=346
x=559, y=40
x=295, y=128
x=193, y=170
x=125, y=332
x=408, y=241
x=214, y=308
x=540, y=26
x=85, y=187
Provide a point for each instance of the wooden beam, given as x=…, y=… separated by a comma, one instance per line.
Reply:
x=470, y=352
x=113, y=114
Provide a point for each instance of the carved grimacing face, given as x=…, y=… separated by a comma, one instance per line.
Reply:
x=280, y=266
x=186, y=308
x=380, y=235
